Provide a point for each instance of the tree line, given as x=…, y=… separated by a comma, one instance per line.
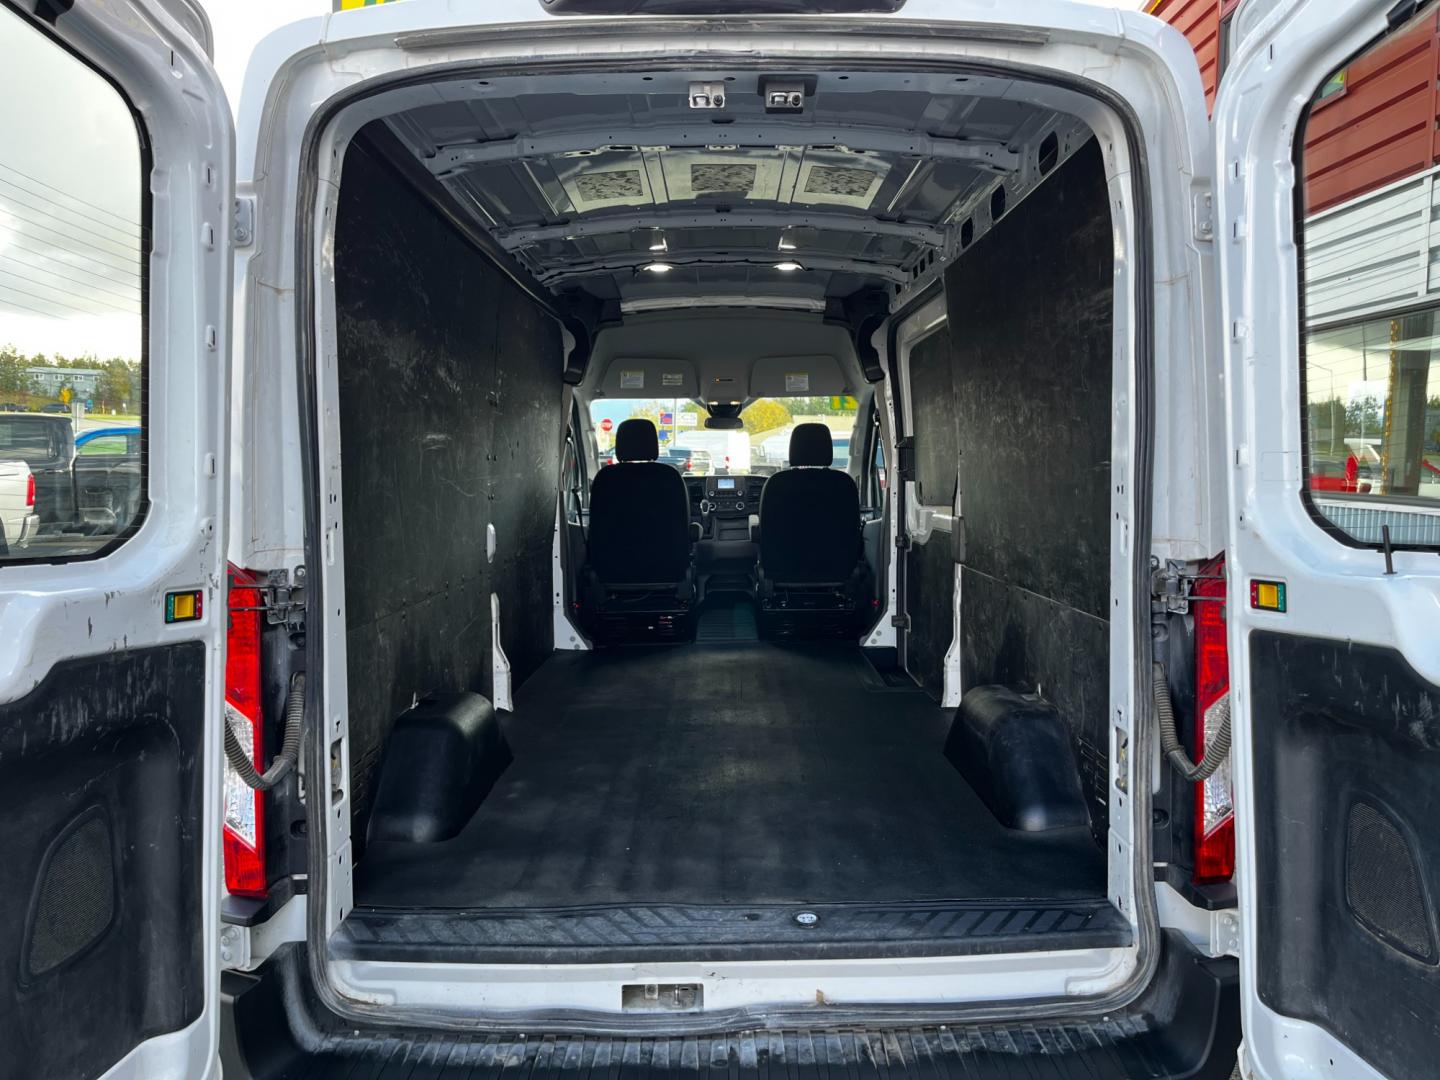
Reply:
x=118, y=386
x=1336, y=419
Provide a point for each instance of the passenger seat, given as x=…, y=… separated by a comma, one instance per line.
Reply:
x=639, y=579
x=811, y=558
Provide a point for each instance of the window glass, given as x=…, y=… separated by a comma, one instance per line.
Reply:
x=574, y=482
x=760, y=447
x=1332, y=86
x=71, y=335
x=1371, y=366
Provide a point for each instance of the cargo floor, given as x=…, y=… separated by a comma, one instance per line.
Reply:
x=680, y=793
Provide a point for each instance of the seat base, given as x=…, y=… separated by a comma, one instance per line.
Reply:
x=639, y=614
x=809, y=612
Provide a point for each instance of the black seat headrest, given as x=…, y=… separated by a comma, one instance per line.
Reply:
x=810, y=445
x=635, y=440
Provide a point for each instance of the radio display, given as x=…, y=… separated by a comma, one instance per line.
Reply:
x=725, y=484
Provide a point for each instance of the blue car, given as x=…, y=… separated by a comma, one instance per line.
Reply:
x=131, y=436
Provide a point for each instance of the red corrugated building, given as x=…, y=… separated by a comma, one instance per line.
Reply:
x=1203, y=22
x=1374, y=122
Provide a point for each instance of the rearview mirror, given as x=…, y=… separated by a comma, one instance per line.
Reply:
x=724, y=423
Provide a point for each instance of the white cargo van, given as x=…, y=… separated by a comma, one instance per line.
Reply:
x=1051, y=730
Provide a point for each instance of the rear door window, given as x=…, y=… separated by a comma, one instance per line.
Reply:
x=73, y=245
x=1371, y=369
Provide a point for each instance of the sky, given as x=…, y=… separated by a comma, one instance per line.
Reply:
x=69, y=208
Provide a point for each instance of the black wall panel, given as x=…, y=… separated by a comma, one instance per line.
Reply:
x=930, y=603
x=450, y=416
x=932, y=397
x=1347, y=750
x=100, y=921
x=1030, y=310
x=930, y=567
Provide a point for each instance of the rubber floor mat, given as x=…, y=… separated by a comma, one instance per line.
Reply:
x=726, y=618
x=727, y=774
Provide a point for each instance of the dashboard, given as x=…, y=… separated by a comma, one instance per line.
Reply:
x=724, y=496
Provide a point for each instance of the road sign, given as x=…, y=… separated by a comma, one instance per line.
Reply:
x=663, y=436
x=667, y=419
x=606, y=424
x=689, y=419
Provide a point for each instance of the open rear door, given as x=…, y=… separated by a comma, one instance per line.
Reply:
x=116, y=152
x=1327, y=157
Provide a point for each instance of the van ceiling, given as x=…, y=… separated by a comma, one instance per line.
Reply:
x=588, y=179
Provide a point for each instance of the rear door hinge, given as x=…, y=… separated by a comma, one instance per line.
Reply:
x=1172, y=587
x=1204, y=216
x=242, y=227
x=900, y=622
x=284, y=598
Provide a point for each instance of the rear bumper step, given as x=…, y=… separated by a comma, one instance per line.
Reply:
x=619, y=933
x=1186, y=1024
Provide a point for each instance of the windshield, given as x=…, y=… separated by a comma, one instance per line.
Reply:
x=760, y=448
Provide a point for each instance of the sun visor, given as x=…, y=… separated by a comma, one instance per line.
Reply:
x=788, y=376
x=629, y=378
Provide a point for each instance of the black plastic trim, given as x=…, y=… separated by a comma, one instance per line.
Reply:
x=116, y=739
x=696, y=933
x=249, y=911
x=1346, y=725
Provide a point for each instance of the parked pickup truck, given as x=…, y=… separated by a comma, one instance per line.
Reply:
x=18, y=520
x=47, y=445
x=106, y=473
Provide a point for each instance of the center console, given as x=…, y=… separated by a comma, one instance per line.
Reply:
x=722, y=506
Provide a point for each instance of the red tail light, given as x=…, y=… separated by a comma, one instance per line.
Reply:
x=244, y=836
x=1214, y=798
x=30, y=490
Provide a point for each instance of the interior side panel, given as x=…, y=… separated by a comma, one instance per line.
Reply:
x=1030, y=310
x=930, y=567
x=100, y=943
x=450, y=415
x=932, y=399
x=527, y=421
x=1347, y=748
x=930, y=603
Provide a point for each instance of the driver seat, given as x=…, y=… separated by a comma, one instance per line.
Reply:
x=811, y=564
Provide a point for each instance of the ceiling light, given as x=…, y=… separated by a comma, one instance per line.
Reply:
x=786, y=244
x=788, y=267
x=657, y=268
x=658, y=242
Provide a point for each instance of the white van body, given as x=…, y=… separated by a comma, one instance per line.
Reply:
x=245, y=394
